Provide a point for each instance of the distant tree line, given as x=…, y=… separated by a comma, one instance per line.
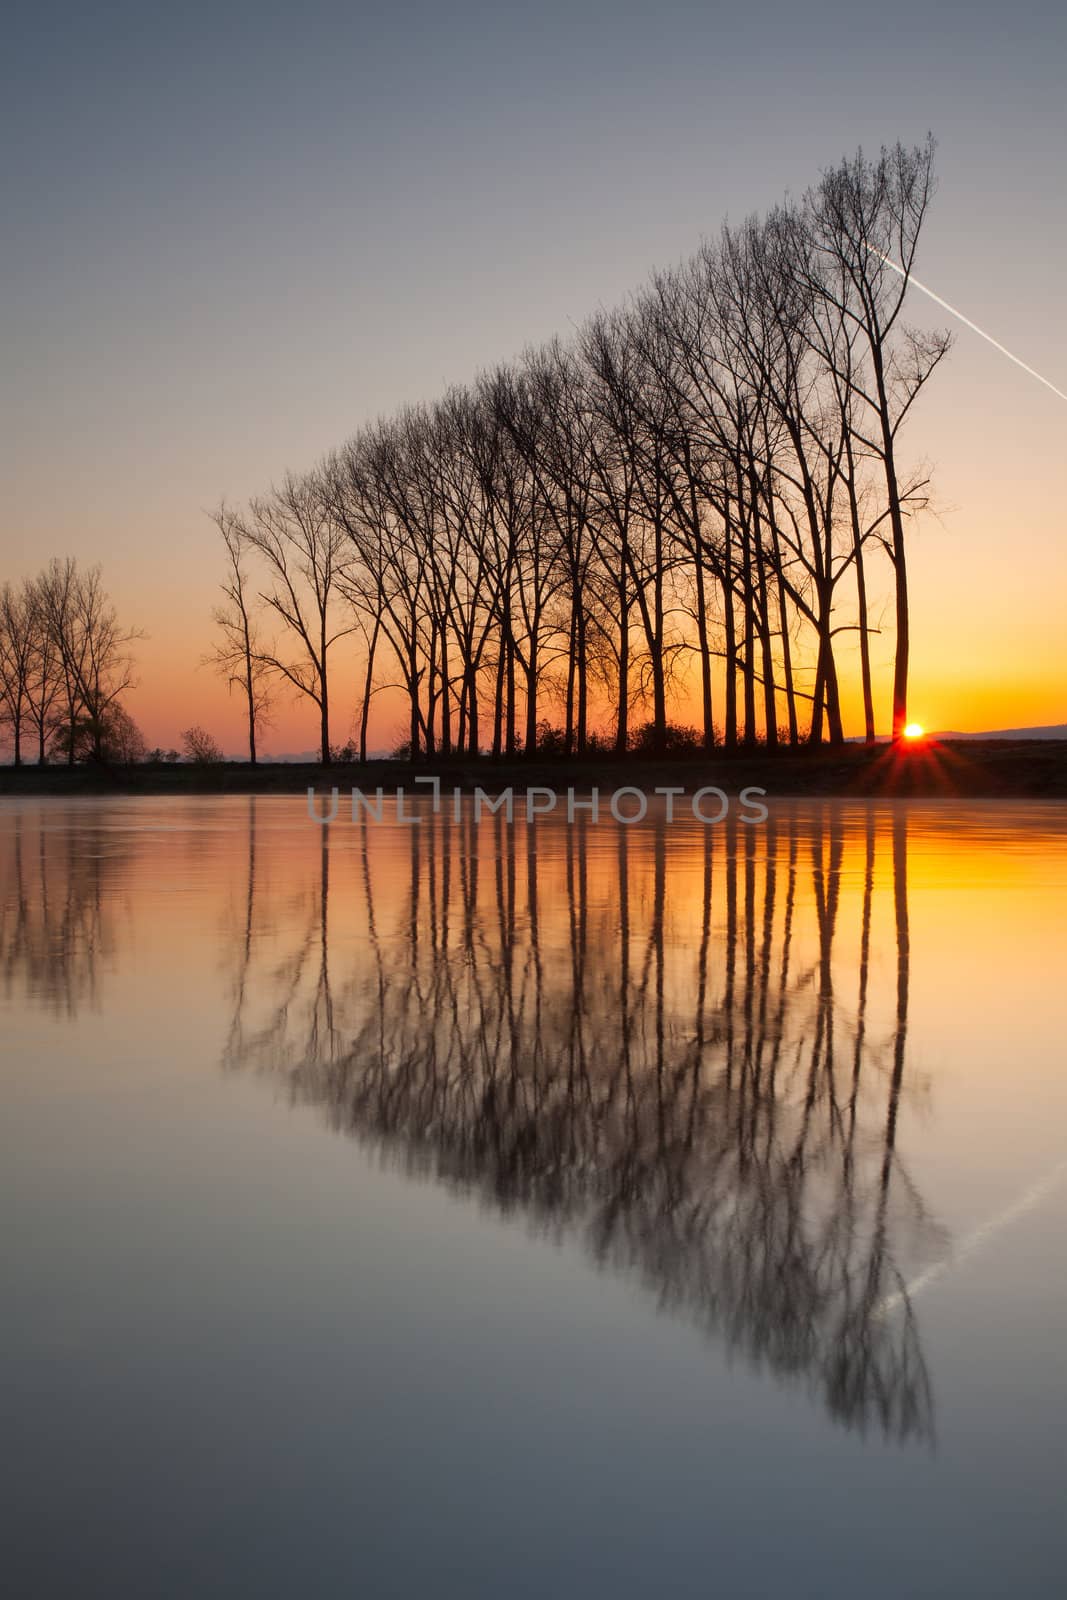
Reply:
x=702, y=488
x=65, y=664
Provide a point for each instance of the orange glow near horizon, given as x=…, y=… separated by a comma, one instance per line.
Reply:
x=960, y=681
x=173, y=692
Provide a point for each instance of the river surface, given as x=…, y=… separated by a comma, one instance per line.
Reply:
x=465, y=1208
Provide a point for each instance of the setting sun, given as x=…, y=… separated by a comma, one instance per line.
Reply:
x=914, y=730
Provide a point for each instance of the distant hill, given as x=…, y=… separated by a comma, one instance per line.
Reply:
x=1055, y=730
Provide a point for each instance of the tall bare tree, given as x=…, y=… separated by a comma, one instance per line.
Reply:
x=866, y=217
x=238, y=654
x=303, y=549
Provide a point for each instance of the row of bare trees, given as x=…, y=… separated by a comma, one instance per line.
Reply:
x=698, y=498
x=64, y=667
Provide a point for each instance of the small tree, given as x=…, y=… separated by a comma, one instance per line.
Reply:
x=238, y=655
x=123, y=739
x=92, y=649
x=112, y=738
x=200, y=747
x=16, y=656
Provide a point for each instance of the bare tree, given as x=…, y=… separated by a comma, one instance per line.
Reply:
x=93, y=650
x=238, y=656
x=866, y=218
x=200, y=747
x=530, y=531
x=16, y=661
x=45, y=683
x=304, y=551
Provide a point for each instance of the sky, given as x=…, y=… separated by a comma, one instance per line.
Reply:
x=237, y=232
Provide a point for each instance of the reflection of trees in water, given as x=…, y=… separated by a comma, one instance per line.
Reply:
x=297, y=1015
x=57, y=909
x=640, y=1041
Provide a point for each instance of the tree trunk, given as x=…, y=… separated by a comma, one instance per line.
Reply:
x=815, y=730
x=413, y=690
x=498, y=695
x=324, y=728
x=705, y=657
x=770, y=706
x=659, y=678
x=368, y=684
x=900, y=665
x=583, y=684
x=900, y=570
x=730, y=647
x=572, y=652
x=324, y=691
x=861, y=600
x=446, y=708
x=509, y=726
x=472, y=710
x=622, y=712
x=787, y=652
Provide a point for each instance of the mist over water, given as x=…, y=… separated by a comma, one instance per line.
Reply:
x=533, y=1208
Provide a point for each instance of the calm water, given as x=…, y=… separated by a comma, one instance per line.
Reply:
x=489, y=1211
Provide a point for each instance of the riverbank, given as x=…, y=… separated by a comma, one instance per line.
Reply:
x=974, y=769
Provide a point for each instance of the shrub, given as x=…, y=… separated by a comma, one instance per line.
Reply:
x=677, y=740
x=112, y=737
x=551, y=741
x=200, y=747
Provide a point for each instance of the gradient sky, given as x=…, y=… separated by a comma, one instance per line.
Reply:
x=236, y=232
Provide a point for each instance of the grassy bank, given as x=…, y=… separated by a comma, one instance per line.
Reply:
x=966, y=768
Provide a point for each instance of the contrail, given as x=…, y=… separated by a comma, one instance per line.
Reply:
x=1027, y=1201
x=988, y=337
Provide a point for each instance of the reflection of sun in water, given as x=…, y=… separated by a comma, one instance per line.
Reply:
x=914, y=730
